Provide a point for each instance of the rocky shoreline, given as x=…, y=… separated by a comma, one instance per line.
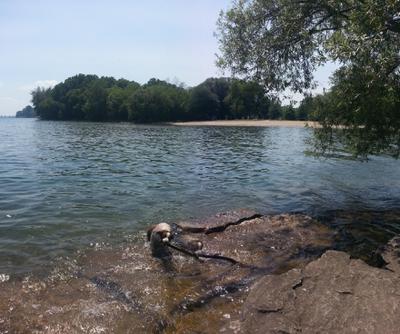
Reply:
x=285, y=278
x=333, y=294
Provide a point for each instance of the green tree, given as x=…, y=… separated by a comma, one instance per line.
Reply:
x=118, y=101
x=247, y=99
x=288, y=113
x=280, y=43
x=27, y=112
x=50, y=109
x=359, y=115
x=93, y=98
x=158, y=102
x=208, y=100
x=275, y=110
x=75, y=100
x=40, y=94
x=94, y=108
x=203, y=103
x=305, y=109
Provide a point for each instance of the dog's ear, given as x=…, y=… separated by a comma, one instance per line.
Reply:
x=149, y=231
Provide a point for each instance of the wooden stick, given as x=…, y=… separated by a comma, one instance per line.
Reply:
x=199, y=255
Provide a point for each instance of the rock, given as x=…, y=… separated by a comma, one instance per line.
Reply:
x=127, y=290
x=218, y=222
x=391, y=254
x=333, y=294
x=264, y=241
x=260, y=245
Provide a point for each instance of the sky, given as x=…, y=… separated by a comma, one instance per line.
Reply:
x=43, y=42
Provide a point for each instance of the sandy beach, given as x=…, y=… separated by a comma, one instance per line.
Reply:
x=261, y=123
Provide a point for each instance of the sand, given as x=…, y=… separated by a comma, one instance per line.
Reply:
x=261, y=123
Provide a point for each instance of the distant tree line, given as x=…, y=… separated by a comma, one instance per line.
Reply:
x=27, y=112
x=93, y=98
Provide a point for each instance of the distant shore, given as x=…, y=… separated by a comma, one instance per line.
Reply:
x=244, y=122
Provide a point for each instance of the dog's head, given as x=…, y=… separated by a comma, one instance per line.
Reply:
x=163, y=230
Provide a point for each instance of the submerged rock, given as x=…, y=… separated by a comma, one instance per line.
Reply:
x=218, y=222
x=277, y=283
x=126, y=290
x=334, y=294
x=264, y=241
x=258, y=245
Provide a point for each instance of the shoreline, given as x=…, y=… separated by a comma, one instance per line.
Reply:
x=249, y=123
x=263, y=273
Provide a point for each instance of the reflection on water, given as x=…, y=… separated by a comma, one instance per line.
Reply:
x=65, y=185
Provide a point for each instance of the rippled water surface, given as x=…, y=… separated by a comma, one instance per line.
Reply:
x=65, y=185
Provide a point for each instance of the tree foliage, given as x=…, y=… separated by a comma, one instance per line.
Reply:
x=90, y=98
x=279, y=43
x=27, y=112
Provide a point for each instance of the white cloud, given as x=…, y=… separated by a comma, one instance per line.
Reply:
x=39, y=83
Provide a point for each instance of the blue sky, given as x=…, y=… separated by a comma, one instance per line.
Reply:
x=43, y=42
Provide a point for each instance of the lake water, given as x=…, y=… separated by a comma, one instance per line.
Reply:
x=67, y=185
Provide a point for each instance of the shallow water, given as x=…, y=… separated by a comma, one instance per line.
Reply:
x=67, y=185
x=126, y=290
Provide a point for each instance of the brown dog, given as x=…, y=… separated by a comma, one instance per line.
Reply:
x=159, y=235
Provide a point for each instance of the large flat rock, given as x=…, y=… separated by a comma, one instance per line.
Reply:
x=334, y=294
x=125, y=290
x=263, y=241
x=280, y=284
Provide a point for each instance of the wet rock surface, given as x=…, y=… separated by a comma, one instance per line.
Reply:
x=334, y=294
x=126, y=290
x=219, y=222
x=264, y=242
